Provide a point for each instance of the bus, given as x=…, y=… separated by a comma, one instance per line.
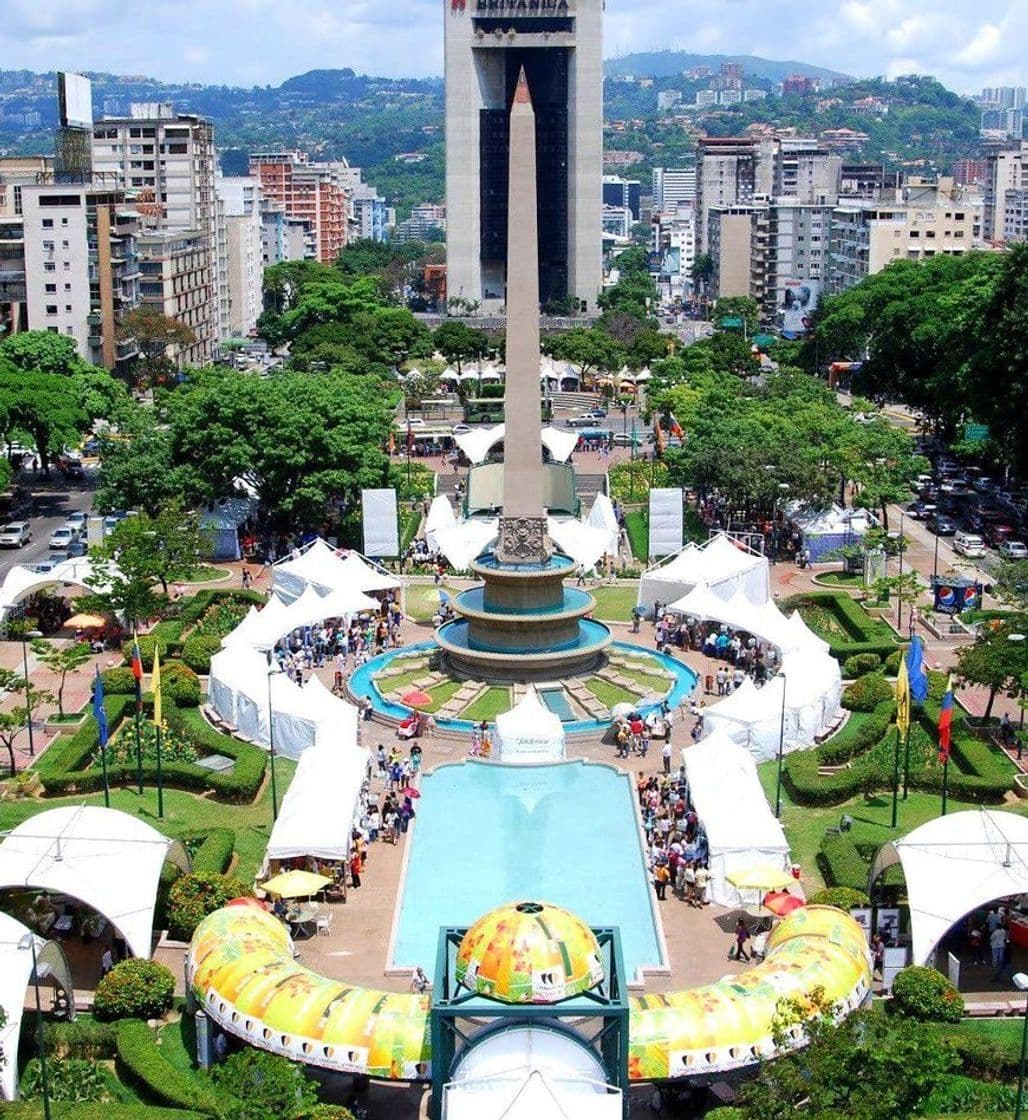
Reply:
x=490, y=410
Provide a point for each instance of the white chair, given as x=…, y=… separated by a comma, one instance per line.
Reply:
x=323, y=924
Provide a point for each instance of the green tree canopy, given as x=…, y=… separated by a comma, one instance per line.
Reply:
x=459, y=343
x=588, y=347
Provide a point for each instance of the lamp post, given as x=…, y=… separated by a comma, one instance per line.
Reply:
x=29, y=942
x=899, y=586
x=25, y=635
x=624, y=418
x=1021, y=983
x=1020, y=703
x=271, y=739
x=781, y=753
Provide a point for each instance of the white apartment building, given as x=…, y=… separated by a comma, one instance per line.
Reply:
x=1006, y=170
x=674, y=241
x=1015, y=215
x=673, y=187
x=240, y=256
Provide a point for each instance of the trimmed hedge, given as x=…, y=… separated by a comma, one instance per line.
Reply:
x=192, y=897
x=215, y=850
x=134, y=987
x=195, y=608
x=859, y=735
x=864, y=634
x=64, y=768
x=69, y=1110
x=198, y=650
x=80, y=1038
x=141, y=1057
x=866, y=693
x=841, y=863
x=860, y=664
x=180, y=684
x=147, y=644
x=983, y=1056
x=925, y=994
x=892, y=662
x=845, y=898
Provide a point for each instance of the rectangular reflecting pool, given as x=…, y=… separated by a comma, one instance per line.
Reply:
x=487, y=834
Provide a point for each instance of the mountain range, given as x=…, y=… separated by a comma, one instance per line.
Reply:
x=667, y=64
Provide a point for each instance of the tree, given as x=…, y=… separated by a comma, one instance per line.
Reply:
x=1011, y=583
x=137, y=470
x=155, y=334
x=268, y=1085
x=738, y=307
x=459, y=343
x=15, y=720
x=391, y=335
x=994, y=661
x=62, y=660
x=43, y=352
x=589, y=348
x=46, y=405
x=868, y=1066
x=161, y=548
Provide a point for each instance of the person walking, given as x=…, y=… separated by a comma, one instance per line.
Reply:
x=665, y=756
x=742, y=935
x=878, y=957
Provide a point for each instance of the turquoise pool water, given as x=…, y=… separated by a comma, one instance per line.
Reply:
x=362, y=685
x=589, y=634
x=488, y=834
x=556, y=700
x=474, y=599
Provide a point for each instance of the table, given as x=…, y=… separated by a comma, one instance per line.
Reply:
x=303, y=917
x=64, y=924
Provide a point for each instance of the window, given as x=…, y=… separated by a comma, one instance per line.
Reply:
x=65, y=244
x=69, y=330
x=67, y=287
x=67, y=266
x=50, y=288
x=48, y=246
x=49, y=266
x=64, y=221
x=47, y=223
x=67, y=307
x=51, y=309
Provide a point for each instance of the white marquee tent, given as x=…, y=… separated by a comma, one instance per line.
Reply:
x=953, y=865
x=477, y=443
x=15, y=978
x=107, y=859
x=321, y=806
x=24, y=580
x=440, y=516
x=328, y=570
x=463, y=541
x=602, y=516
x=718, y=563
x=529, y=732
x=730, y=803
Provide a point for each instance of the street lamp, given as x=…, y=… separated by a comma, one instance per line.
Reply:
x=899, y=587
x=1020, y=703
x=25, y=635
x=29, y=942
x=781, y=752
x=1021, y=984
x=271, y=738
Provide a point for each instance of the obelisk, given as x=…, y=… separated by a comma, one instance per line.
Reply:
x=522, y=538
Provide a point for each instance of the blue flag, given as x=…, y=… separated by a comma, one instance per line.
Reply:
x=916, y=671
x=99, y=711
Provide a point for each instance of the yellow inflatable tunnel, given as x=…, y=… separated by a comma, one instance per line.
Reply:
x=242, y=972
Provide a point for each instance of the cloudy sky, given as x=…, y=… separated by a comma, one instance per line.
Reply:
x=245, y=42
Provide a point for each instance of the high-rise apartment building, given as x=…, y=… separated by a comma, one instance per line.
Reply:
x=80, y=266
x=559, y=46
x=240, y=256
x=1015, y=215
x=1006, y=170
x=312, y=192
x=673, y=187
x=284, y=238
x=176, y=278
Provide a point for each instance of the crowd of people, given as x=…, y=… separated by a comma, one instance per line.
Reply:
x=677, y=844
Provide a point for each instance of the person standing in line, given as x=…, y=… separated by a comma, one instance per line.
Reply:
x=661, y=878
x=998, y=946
x=665, y=755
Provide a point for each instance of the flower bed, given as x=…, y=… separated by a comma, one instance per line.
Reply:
x=847, y=628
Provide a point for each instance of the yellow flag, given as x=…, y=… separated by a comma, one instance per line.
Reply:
x=156, y=686
x=903, y=699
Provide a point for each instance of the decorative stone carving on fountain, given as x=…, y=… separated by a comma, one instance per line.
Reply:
x=523, y=540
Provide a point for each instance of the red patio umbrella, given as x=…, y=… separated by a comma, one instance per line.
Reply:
x=410, y=792
x=782, y=903
x=417, y=699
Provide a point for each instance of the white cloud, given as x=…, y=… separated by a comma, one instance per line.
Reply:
x=966, y=45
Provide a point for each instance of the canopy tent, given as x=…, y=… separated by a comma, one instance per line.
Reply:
x=723, y=566
x=530, y=732
x=294, y=725
x=440, y=516
x=339, y=718
x=602, y=516
x=310, y=607
x=449, y=374
x=236, y=670
x=802, y=637
x=584, y=543
x=461, y=542
x=322, y=804
x=107, y=859
x=829, y=529
x=751, y=717
x=730, y=803
x=477, y=443
x=15, y=978
x=261, y=629
x=955, y=864
x=813, y=693
x=221, y=521
x=24, y=580
x=328, y=570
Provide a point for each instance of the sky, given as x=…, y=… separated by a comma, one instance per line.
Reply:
x=258, y=42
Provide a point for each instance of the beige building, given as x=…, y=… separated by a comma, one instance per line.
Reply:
x=16, y=172
x=730, y=242
x=869, y=236
x=239, y=257
x=177, y=279
x=1006, y=171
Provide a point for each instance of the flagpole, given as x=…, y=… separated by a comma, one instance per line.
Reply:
x=160, y=781
x=107, y=784
x=945, y=784
x=139, y=746
x=896, y=778
x=906, y=761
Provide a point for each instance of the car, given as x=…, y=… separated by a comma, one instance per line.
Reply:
x=79, y=518
x=920, y=510
x=78, y=547
x=1013, y=550
x=586, y=419
x=460, y=429
x=62, y=537
x=996, y=532
x=412, y=422
x=969, y=544
x=628, y=439
x=941, y=526
x=15, y=534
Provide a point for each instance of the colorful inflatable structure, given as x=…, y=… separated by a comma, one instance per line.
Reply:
x=242, y=972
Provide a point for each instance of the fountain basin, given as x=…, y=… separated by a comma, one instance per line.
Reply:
x=532, y=653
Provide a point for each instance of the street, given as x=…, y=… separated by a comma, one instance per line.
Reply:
x=53, y=499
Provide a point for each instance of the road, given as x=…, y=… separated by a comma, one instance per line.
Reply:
x=53, y=500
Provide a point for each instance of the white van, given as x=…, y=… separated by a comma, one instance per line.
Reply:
x=969, y=544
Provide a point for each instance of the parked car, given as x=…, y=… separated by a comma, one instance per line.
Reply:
x=62, y=537
x=1013, y=550
x=920, y=510
x=460, y=429
x=969, y=544
x=628, y=439
x=996, y=532
x=79, y=518
x=78, y=547
x=15, y=534
x=586, y=419
x=941, y=526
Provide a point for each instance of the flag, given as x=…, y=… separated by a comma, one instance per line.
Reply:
x=916, y=671
x=676, y=428
x=137, y=668
x=903, y=699
x=946, y=721
x=99, y=711
x=156, y=686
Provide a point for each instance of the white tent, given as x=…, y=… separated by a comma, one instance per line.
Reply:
x=15, y=978
x=813, y=692
x=530, y=732
x=835, y=519
x=24, y=580
x=318, y=813
x=584, y=543
x=338, y=718
x=764, y=620
x=723, y=566
x=294, y=724
x=328, y=570
x=449, y=374
x=602, y=516
x=730, y=803
x=463, y=541
x=953, y=865
x=260, y=630
x=800, y=635
x=238, y=671
x=477, y=443
x=365, y=576
x=440, y=516
x=107, y=859
x=311, y=608
x=751, y=717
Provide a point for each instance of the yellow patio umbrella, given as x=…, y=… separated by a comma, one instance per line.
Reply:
x=296, y=884
x=86, y=622
x=760, y=877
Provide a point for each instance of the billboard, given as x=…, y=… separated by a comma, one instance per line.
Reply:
x=799, y=301
x=381, y=523
x=666, y=521
x=75, y=98
x=956, y=596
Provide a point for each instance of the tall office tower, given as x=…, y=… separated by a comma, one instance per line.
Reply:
x=672, y=187
x=559, y=44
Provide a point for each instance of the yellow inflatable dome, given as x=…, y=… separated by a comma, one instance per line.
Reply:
x=529, y=952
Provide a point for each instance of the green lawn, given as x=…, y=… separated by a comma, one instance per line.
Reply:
x=609, y=694
x=205, y=573
x=614, y=602
x=638, y=534
x=649, y=682
x=183, y=812
x=841, y=579
x=488, y=705
x=403, y=680
x=421, y=600
x=441, y=693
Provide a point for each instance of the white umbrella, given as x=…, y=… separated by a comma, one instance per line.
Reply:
x=622, y=709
